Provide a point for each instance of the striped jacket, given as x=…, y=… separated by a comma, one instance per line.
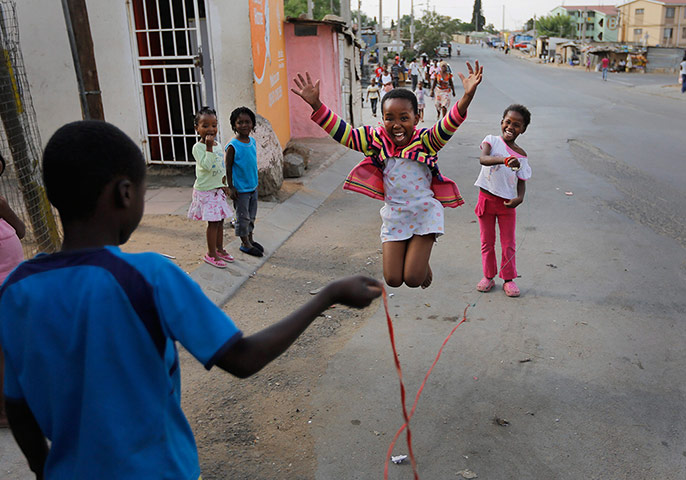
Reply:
x=377, y=145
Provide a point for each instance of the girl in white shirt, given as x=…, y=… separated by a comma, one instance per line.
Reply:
x=502, y=184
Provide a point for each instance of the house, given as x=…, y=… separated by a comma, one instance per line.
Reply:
x=594, y=23
x=328, y=50
x=157, y=62
x=653, y=23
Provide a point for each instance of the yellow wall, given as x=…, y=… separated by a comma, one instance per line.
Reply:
x=269, y=65
x=652, y=22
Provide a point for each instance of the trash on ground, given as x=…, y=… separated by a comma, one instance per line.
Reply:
x=551, y=265
x=316, y=291
x=569, y=194
x=525, y=360
x=467, y=474
x=168, y=256
x=501, y=421
x=398, y=458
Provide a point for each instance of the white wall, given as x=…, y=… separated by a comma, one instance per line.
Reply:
x=232, y=59
x=50, y=68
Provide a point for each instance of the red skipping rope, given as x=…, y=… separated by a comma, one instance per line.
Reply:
x=407, y=417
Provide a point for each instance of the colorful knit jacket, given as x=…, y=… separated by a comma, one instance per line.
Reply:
x=377, y=145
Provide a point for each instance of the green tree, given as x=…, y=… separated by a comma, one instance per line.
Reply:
x=321, y=8
x=556, y=26
x=478, y=19
x=364, y=19
x=529, y=24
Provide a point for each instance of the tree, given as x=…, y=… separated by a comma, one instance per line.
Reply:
x=364, y=19
x=294, y=8
x=529, y=25
x=556, y=26
x=478, y=19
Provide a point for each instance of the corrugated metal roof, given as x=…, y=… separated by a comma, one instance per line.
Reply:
x=606, y=9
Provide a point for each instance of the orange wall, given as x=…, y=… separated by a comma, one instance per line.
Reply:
x=319, y=56
x=269, y=64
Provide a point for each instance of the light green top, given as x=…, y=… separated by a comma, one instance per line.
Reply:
x=210, y=171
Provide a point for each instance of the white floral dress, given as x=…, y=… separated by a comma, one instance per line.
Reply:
x=409, y=207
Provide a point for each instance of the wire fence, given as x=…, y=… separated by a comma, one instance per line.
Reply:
x=20, y=143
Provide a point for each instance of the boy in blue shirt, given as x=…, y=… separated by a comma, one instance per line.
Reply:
x=89, y=332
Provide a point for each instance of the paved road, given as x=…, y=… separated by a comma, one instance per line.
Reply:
x=588, y=365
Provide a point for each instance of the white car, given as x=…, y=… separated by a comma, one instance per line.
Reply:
x=442, y=51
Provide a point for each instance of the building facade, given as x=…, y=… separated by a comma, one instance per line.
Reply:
x=594, y=23
x=653, y=23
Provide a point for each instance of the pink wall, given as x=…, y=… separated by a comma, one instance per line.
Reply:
x=319, y=56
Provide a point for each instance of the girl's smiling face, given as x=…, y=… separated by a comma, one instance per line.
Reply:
x=207, y=125
x=399, y=120
x=243, y=125
x=512, y=125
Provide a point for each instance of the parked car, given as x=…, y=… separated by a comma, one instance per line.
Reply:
x=442, y=51
x=522, y=45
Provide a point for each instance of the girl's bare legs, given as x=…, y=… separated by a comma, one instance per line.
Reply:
x=220, y=237
x=213, y=230
x=407, y=261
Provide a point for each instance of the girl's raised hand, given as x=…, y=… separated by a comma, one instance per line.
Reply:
x=473, y=80
x=307, y=90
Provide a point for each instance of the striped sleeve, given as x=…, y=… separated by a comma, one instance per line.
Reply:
x=437, y=136
x=359, y=139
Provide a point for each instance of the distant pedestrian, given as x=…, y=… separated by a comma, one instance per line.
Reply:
x=209, y=190
x=421, y=102
x=604, y=65
x=682, y=71
x=588, y=63
x=373, y=95
x=502, y=185
x=414, y=73
x=395, y=72
x=386, y=83
x=241, y=172
x=441, y=89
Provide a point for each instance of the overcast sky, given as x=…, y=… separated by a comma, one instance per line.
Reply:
x=517, y=12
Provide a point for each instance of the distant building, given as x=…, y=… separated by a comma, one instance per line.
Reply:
x=654, y=22
x=594, y=23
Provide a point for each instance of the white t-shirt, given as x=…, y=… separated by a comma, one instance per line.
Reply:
x=683, y=67
x=414, y=68
x=500, y=180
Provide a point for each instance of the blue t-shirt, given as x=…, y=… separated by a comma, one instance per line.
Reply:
x=244, y=173
x=88, y=338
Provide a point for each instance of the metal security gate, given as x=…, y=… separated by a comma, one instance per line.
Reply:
x=168, y=40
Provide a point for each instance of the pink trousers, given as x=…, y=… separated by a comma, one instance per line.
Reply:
x=488, y=209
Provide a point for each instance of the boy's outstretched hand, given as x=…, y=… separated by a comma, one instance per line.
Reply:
x=357, y=291
x=473, y=80
x=307, y=90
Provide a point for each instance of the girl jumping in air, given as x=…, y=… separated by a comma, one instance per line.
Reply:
x=241, y=172
x=401, y=169
x=502, y=184
x=209, y=190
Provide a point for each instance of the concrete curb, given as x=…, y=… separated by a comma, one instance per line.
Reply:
x=274, y=229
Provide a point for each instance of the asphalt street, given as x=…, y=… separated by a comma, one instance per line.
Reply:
x=582, y=376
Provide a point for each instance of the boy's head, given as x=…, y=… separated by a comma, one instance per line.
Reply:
x=400, y=112
x=2, y=165
x=239, y=119
x=91, y=168
x=516, y=118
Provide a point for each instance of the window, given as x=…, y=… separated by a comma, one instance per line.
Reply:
x=639, y=11
x=683, y=33
x=668, y=33
x=670, y=12
x=638, y=31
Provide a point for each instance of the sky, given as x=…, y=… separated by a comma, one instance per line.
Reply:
x=517, y=12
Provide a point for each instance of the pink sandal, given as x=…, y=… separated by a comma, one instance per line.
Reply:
x=213, y=261
x=511, y=289
x=226, y=256
x=485, y=285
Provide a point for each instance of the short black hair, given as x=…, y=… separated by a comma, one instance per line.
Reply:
x=402, y=93
x=81, y=158
x=237, y=112
x=201, y=112
x=520, y=109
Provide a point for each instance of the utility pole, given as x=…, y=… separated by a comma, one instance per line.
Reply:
x=411, y=23
x=81, y=42
x=397, y=27
x=310, y=15
x=359, y=20
x=379, y=24
x=503, y=18
x=345, y=12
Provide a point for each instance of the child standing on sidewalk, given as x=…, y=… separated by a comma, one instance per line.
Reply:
x=401, y=169
x=209, y=190
x=419, y=93
x=95, y=369
x=502, y=184
x=241, y=171
x=11, y=254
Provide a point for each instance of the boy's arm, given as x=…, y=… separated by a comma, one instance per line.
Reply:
x=249, y=354
x=28, y=435
x=229, y=155
x=521, y=190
